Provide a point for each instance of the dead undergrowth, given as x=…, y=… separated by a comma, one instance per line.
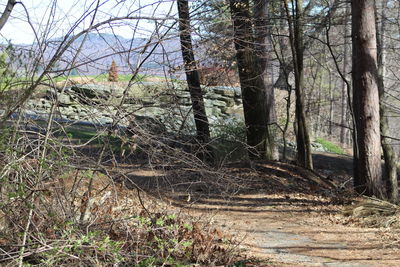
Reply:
x=67, y=224
x=62, y=206
x=67, y=204
x=374, y=212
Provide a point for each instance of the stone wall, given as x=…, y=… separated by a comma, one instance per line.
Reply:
x=99, y=104
x=169, y=108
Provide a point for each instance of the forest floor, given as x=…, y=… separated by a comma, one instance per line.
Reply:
x=280, y=213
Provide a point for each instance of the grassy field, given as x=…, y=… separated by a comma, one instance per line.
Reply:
x=103, y=77
x=121, y=78
x=330, y=147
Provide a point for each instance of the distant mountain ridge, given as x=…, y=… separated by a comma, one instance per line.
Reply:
x=100, y=49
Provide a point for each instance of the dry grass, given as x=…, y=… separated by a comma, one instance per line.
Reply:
x=375, y=212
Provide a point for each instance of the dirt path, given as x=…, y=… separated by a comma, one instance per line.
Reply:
x=298, y=230
x=279, y=212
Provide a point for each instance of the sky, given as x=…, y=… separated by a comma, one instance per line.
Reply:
x=54, y=18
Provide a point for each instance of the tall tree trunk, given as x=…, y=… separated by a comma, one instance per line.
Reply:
x=251, y=82
x=192, y=75
x=262, y=33
x=304, y=156
x=330, y=130
x=344, y=110
x=367, y=151
x=320, y=74
x=318, y=111
x=390, y=174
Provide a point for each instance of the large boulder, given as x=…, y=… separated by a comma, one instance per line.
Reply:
x=65, y=100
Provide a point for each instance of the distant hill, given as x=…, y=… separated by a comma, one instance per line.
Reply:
x=100, y=49
x=103, y=48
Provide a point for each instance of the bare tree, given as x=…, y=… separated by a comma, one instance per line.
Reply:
x=304, y=156
x=344, y=110
x=367, y=149
x=192, y=74
x=262, y=33
x=390, y=174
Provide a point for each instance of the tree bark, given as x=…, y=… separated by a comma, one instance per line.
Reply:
x=7, y=12
x=331, y=100
x=344, y=105
x=192, y=75
x=252, y=84
x=262, y=36
x=367, y=150
x=304, y=156
x=390, y=174
x=318, y=108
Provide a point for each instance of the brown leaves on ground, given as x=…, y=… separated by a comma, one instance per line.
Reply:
x=128, y=210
